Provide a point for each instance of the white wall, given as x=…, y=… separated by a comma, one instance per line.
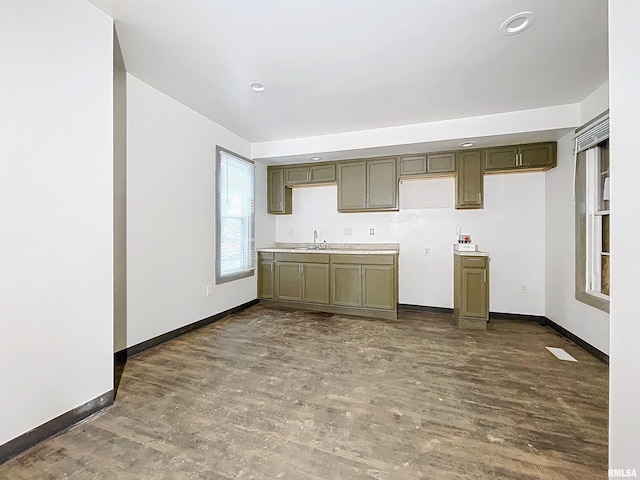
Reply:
x=171, y=215
x=596, y=103
x=510, y=228
x=585, y=321
x=624, y=385
x=56, y=225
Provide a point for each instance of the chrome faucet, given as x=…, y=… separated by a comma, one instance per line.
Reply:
x=315, y=237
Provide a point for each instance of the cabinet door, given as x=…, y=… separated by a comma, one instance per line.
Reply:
x=265, y=279
x=382, y=184
x=352, y=186
x=501, y=158
x=538, y=155
x=379, y=287
x=346, y=285
x=474, y=293
x=441, y=163
x=278, y=194
x=296, y=175
x=315, y=283
x=322, y=174
x=414, y=165
x=288, y=281
x=469, y=180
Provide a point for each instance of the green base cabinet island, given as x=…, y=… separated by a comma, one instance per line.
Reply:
x=353, y=284
x=471, y=289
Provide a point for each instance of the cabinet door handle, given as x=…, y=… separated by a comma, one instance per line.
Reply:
x=299, y=268
x=479, y=197
x=308, y=176
x=361, y=271
x=271, y=267
x=485, y=276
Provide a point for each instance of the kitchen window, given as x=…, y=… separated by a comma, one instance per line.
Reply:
x=593, y=214
x=235, y=186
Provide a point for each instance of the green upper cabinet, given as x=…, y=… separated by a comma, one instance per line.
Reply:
x=309, y=174
x=382, y=184
x=538, y=156
x=469, y=180
x=352, y=186
x=440, y=163
x=278, y=194
x=413, y=165
x=368, y=185
x=429, y=164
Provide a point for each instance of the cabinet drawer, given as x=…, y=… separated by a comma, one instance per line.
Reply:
x=265, y=255
x=364, y=259
x=302, y=257
x=478, y=262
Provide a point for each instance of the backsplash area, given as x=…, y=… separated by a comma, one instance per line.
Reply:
x=513, y=218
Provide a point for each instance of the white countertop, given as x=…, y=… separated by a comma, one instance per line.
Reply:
x=471, y=254
x=337, y=248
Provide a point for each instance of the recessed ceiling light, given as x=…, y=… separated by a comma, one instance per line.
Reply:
x=467, y=144
x=314, y=158
x=258, y=87
x=517, y=23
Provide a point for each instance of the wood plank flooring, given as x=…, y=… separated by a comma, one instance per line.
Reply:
x=270, y=393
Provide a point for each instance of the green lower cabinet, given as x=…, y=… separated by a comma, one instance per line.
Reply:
x=288, y=281
x=346, y=285
x=366, y=286
x=315, y=283
x=302, y=282
x=471, y=291
x=378, y=287
x=474, y=293
x=266, y=277
x=352, y=284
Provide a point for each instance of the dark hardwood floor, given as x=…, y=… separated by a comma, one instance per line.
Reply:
x=281, y=394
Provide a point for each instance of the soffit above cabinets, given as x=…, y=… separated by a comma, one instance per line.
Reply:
x=342, y=66
x=415, y=148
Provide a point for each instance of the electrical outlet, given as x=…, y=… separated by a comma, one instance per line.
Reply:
x=209, y=290
x=523, y=289
x=372, y=231
x=427, y=252
x=347, y=232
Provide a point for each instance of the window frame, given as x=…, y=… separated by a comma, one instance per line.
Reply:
x=220, y=279
x=588, y=226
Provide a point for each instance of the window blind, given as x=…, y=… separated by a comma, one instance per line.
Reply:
x=593, y=134
x=235, y=211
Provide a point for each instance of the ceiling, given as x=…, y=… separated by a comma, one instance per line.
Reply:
x=335, y=66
